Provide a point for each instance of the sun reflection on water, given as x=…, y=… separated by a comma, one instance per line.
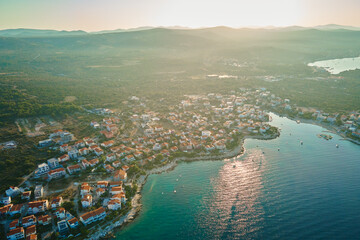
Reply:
x=234, y=209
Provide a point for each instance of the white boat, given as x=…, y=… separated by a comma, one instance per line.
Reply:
x=301, y=142
x=174, y=191
x=337, y=145
x=298, y=121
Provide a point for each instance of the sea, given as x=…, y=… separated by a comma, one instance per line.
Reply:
x=336, y=66
x=278, y=189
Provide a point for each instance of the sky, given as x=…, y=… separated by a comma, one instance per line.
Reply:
x=95, y=15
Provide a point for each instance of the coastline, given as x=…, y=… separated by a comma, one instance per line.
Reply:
x=236, y=152
x=331, y=128
x=107, y=230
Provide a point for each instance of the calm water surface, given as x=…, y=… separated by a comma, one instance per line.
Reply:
x=309, y=191
x=336, y=66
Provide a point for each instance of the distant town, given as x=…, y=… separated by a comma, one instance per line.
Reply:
x=106, y=169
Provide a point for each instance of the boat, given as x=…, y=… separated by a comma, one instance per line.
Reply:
x=301, y=142
x=278, y=149
x=298, y=121
x=177, y=180
x=174, y=191
x=337, y=145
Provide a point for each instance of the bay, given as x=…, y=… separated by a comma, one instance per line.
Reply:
x=279, y=189
x=336, y=66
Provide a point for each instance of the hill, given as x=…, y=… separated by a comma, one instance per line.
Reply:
x=104, y=69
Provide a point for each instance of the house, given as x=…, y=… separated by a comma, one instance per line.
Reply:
x=114, y=204
x=28, y=221
x=84, y=151
x=125, y=168
x=107, y=134
x=93, y=216
x=100, y=191
x=120, y=196
x=53, y=163
x=219, y=145
x=85, y=163
x=85, y=189
x=44, y=220
x=130, y=157
x=157, y=147
x=110, y=157
x=26, y=195
x=138, y=154
x=93, y=162
x=63, y=228
x=37, y=206
x=79, y=144
x=98, y=151
x=60, y=213
x=73, y=222
x=17, y=233
x=174, y=148
x=102, y=184
x=39, y=191
x=205, y=134
x=56, y=173
x=73, y=154
x=120, y=175
x=165, y=152
x=86, y=201
x=116, y=190
x=5, y=200
x=112, y=128
x=108, y=144
x=30, y=231
x=116, y=164
x=90, y=143
x=5, y=209
x=93, y=147
x=14, y=224
x=209, y=147
x=42, y=169
x=94, y=124
x=109, y=168
x=45, y=143
x=15, y=209
x=56, y=202
x=74, y=168
x=64, y=158
x=116, y=183
x=64, y=148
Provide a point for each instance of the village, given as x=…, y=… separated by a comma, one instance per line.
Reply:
x=102, y=169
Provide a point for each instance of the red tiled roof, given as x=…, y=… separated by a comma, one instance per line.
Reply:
x=96, y=212
x=15, y=231
x=73, y=220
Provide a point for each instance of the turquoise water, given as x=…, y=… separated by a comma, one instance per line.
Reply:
x=336, y=66
x=309, y=191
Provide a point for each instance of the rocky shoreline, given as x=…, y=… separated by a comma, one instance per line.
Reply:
x=135, y=202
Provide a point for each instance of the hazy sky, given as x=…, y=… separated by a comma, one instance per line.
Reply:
x=93, y=15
